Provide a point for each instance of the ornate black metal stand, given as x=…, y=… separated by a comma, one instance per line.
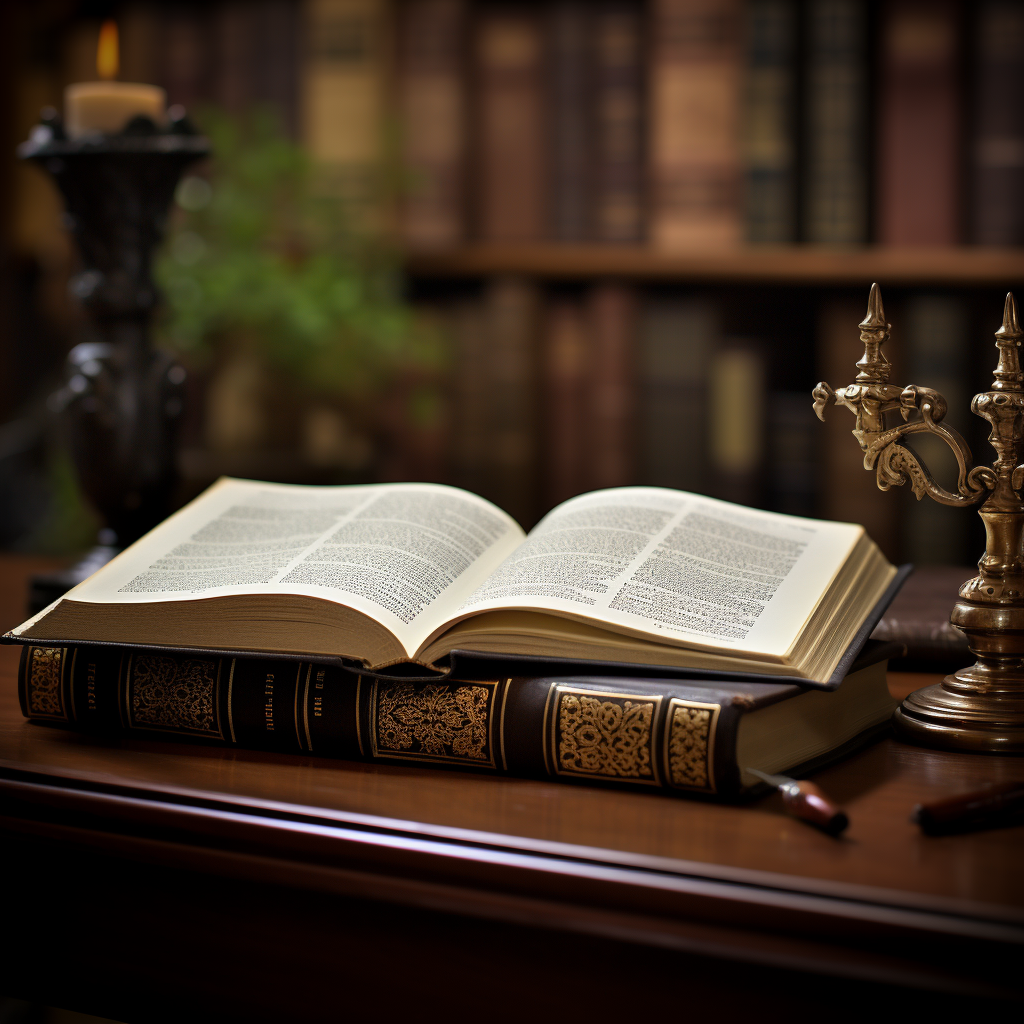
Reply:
x=122, y=401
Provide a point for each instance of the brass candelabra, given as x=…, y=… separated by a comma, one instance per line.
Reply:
x=980, y=708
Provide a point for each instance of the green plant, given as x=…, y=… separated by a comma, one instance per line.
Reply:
x=265, y=251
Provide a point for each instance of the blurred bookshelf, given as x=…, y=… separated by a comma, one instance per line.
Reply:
x=626, y=216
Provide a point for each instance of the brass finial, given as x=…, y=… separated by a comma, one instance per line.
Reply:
x=1008, y=376
x=1010, y=328
x=874, y=331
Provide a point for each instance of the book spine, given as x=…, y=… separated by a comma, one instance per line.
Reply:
x=432, y=120
x=511, y=314
x=565, y=366
x=638, y=732
x=836, y=180
x=675, y=345
x=918, y=187
x=509, y=125
x=185, y=54
x=612, y=316
x=694, y=157
x=738, y=420
x=997, y=187
x=344, y=98
x=569, y=145
x=617, y=120
x=770, y=129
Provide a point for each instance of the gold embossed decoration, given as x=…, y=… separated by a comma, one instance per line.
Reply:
x=45, y=699
x=690, y=741
x=440, y=722
x=603, y=734
x=166, y=694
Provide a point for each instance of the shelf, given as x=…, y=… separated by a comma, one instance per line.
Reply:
x=794, y=265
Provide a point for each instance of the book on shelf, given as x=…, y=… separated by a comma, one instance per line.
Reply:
x=693, y=146
x=508, y=96
x=568, y=78
x=676, y=734
x=387, y=575
x=770, y=121
x=676, y=340
x=617, y=122
x=431, y=101
x=997, y=153
x=918, y=152
x=835, y=186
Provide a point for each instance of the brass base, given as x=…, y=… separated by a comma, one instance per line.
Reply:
x=946, y=716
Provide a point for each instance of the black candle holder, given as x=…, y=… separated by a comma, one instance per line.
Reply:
x=122, y=399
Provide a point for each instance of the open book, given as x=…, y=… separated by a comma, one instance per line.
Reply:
x=397, y=572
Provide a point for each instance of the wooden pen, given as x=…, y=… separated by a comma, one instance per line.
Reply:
x=991, y=806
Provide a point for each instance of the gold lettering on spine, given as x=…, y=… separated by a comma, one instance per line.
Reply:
x=231, y=694
x=268, y=701
x=90, y=687
x=690, y=743
x=305, y=708
x=295, y=710
x=603, y=734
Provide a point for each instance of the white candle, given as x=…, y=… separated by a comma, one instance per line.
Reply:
x=109, y=106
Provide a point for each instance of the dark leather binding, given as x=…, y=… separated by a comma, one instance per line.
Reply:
x=675, y=734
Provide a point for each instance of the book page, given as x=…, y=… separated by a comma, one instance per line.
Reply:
x=675, y=567
x=403, y=554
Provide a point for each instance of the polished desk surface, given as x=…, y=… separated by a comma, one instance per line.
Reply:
x=509, y=837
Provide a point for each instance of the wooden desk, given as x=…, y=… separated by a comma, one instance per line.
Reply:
x=149, y=879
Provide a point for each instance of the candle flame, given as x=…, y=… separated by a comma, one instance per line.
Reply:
x=106, y=51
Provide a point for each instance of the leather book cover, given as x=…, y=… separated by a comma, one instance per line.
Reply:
x=617, y=118
x=568, y=70
x=835, y=172
x=919, y=133
x=675, y=734
x=918, y=618
x=997, y=119
x=432, y=129
x=509, y=124
x=693, y=158
x=770, y=121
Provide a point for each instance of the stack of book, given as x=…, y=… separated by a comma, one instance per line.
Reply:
x=636, y=635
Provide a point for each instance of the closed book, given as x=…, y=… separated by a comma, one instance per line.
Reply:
x=565, y=371
x=432, y=120
x=835, y=173
x=918, y=619
x=792, y=456
x=569, y=131
x=471, y=438
x=344, y=98
x=676, y=339
x=612, y=327
x=694, y=138
x=617, y=157
x=509, y=124
x=186, y=55
x=770, y=121
x=919, y=131
x=679, y=735
x=997, y=118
